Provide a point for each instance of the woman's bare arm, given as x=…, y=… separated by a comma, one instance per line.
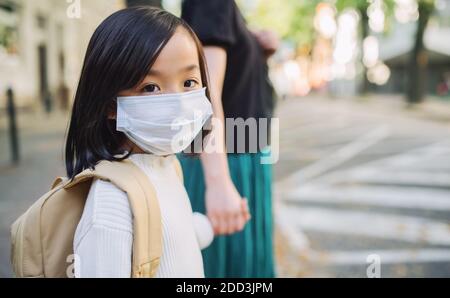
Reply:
x=226, y=209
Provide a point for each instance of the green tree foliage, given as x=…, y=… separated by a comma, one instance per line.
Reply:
x=291, y=19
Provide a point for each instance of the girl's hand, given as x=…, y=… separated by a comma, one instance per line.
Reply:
x=203, y=230
x=226, y=210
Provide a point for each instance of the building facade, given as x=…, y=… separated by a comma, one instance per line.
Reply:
x=42, y=46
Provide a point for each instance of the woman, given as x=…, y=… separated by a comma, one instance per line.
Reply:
x=237, y=62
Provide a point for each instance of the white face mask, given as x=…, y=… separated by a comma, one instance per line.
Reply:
x=163, y=124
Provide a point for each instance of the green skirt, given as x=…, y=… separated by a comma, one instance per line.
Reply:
x=249, y=253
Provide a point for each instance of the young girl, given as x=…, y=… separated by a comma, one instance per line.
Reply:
x=142, y=95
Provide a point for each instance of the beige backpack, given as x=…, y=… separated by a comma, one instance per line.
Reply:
x=42, y=238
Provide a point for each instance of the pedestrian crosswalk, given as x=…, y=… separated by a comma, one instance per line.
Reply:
x=357, y=179
x=374, y=200
x=370, y=224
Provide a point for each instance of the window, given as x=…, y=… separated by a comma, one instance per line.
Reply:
x=8, y=27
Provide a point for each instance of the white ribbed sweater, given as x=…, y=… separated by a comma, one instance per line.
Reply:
x=104, y=237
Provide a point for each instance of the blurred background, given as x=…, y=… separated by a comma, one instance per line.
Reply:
x=364, y=106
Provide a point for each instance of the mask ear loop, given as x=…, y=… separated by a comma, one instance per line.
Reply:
x=113, y=109
x=125, y=152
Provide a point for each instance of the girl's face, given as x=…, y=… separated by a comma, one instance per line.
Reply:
x=176, y=69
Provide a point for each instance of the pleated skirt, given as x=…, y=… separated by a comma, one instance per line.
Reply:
x=249, y=253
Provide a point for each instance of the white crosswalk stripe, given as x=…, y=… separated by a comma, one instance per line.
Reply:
x=398, y=256
x=384, y=196
x=404, y=177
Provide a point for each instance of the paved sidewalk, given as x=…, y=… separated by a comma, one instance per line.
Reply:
x=41, y=142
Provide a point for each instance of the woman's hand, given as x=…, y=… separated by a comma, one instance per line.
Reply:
x=226, y=209
x=268, y=40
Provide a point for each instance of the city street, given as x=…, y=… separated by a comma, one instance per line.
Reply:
x=358, y=179
x=360, y=143
x=355, y=178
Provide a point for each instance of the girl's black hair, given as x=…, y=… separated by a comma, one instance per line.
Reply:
x=120, y=54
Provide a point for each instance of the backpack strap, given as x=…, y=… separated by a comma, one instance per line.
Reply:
x=178, y=169
x=147, y=227
x=58, y=181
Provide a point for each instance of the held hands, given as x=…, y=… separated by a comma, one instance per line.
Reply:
x=227, y=211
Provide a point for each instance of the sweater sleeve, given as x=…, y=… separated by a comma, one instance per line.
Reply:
x=104, y=237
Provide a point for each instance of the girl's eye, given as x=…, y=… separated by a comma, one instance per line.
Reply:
x=152, y=88
x=190, y=84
